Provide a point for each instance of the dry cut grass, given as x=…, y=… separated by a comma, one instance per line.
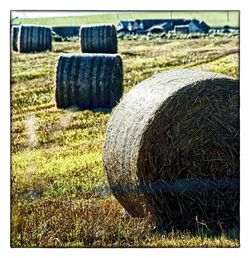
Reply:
x=59, y=192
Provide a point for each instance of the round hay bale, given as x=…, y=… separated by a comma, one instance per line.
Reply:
x=14, y=37
x=34, y=39
x=88, y=81
x=98, y=39
x=172, y=149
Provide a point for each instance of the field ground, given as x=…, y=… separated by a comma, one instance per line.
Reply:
x=212, y=18
x=60, y=195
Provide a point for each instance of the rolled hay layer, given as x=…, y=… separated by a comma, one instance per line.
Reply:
x=34, y=39
x=14, y=37
x=98, y=39
x=88, y=81
x=172, y=149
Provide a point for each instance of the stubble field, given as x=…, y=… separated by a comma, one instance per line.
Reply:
x=59, y=192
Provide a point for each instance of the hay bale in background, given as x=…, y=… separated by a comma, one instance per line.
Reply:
x=14, y=37
x=88, y=81
x=98, y=39
x=34, y=39
x=172, y=148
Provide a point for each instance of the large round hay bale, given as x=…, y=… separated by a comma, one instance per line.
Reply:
x=14, y=37
x=88, y=81
x=98, y=39
x=34, y=39
x=172, y=149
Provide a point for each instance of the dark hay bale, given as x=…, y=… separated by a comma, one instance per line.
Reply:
x=98, y=39
x=88, y=81
x=34, y=39
x=14, y=37
x=172, y=149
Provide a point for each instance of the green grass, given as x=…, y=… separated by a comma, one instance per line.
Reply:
x=212, y=18
x=60, y=195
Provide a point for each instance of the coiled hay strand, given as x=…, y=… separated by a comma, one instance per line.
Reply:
x=98, y=39
x=88, y=81
x=14, y=37
x=34, y=39
x=172, y=149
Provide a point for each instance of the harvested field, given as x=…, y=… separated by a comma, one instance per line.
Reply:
x=60, y=195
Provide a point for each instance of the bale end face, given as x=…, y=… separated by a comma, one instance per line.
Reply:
x=14, y=37
x=173, y=141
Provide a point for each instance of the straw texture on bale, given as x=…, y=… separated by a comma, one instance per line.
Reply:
x=14, y=37
x=88, y=81
x=172, y=149
x=98, y=39
x=34, y=39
